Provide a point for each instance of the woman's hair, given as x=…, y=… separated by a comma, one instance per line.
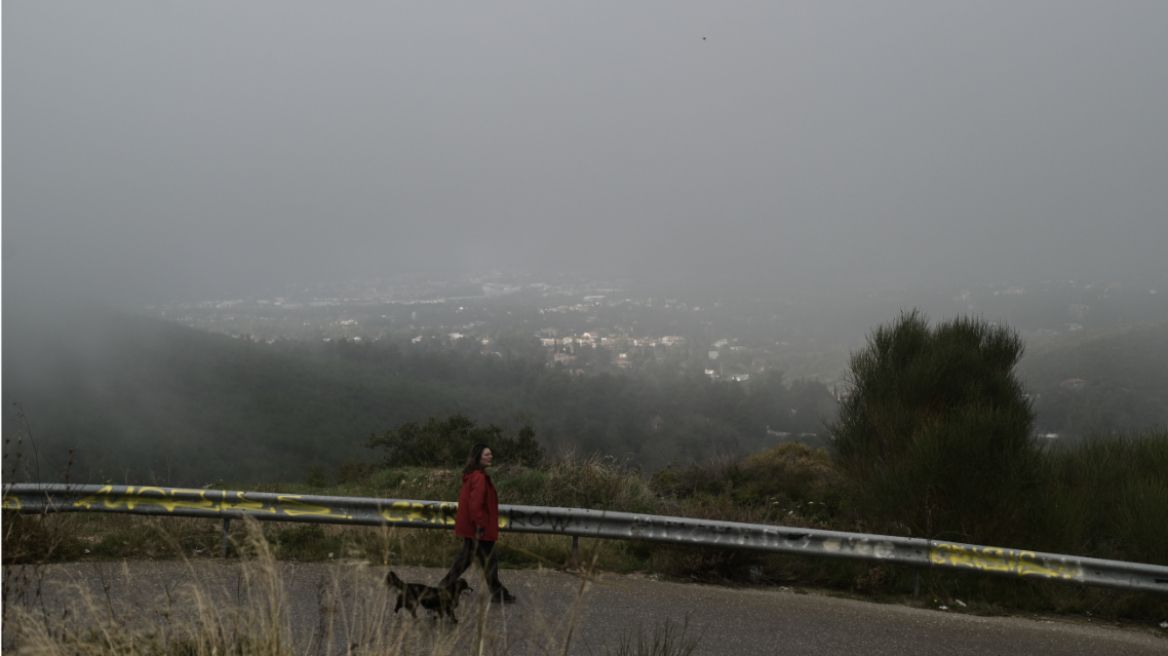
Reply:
x=476, y=453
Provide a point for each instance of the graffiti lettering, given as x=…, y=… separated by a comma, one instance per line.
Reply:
x=993, y=559
x=560, y=523
x=403, y=512
x=648, y=524
x=240, y=503
x=148, y=496
x=292, y=506
x=448, y=511
x=414, y=513
x=990, y=559
x=433, y=514
x=521, y=518
x=861, y=547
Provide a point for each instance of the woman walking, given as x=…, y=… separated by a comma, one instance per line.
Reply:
x=477, y=523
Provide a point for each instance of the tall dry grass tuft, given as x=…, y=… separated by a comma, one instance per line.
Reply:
x=667, y=639
x=260, y=606
x=240, y=608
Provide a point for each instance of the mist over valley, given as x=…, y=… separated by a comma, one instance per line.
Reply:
x=264, y=388
x=239, y=239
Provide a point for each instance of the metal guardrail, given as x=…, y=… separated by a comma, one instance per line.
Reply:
x=914, y=552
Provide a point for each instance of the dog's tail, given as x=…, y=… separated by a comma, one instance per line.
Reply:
x=393, y=581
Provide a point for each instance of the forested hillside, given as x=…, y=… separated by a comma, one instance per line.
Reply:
x=1111, y=379
x=142, y=400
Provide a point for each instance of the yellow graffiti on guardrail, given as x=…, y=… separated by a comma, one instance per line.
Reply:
x=993, y=559
x=144, y=496
x=433, y=513
x=238, y=502
x=424, y=513
x=169, y=498
x=210, y=500
x=293, y=507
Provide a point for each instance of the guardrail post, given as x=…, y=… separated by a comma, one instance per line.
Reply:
x=917, y=584
x=226, y=530
x=575, y=551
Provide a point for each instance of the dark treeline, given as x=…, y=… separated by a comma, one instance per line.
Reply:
x=664, y=412
x=141, y=400
x=144, y=401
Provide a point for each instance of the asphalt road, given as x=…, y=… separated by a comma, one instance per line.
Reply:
x=328, y=608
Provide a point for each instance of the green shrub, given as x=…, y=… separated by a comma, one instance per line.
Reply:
x=352, y=471
x=790, y=472
x=309, y=541
x=595, y=482
x=316, y=476
x=447, y=442
x=936, y=433
x=1107, y=497
x=137, y=538
x=784, y=477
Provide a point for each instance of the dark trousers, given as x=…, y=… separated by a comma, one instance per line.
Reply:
x=484, y=552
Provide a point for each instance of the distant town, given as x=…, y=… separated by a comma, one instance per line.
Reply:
x=589, y=325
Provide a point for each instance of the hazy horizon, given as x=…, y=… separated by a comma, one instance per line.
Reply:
x=184, y=151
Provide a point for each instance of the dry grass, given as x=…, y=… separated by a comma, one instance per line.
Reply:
x=250, y=612
x=789, y=485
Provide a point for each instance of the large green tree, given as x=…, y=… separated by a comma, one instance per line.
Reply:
x=935, y=433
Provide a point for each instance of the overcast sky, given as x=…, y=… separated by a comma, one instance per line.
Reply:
x=161, y=150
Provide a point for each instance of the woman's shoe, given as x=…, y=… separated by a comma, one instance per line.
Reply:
x=504, y=596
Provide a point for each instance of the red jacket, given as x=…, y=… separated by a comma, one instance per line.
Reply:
x=478, y=507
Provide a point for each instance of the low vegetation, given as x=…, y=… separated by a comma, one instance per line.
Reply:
x=1106, y=499
x=934, y=441
x=182, y=407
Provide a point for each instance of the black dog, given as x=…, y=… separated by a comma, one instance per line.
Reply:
x=440, y=600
